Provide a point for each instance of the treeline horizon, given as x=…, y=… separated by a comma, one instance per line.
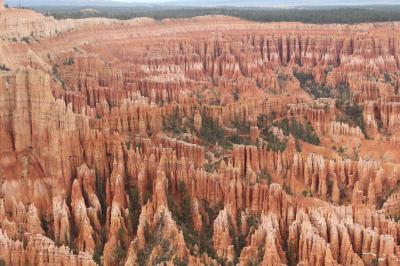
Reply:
x=315, y=15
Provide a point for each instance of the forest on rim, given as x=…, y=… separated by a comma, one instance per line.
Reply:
x=317, y=15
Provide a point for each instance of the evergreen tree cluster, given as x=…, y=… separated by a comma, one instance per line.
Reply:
x=303, y=131
x=211, y=132
x=308, y=84
x=316, y=15
x=300, y=131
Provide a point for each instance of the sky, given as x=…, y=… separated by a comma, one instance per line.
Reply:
x=316, y=1
x=266, y=1
x=322, y=2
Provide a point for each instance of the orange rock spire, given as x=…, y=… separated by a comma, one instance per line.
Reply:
x=197, y=141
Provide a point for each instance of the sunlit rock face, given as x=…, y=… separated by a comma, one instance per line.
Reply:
x=203, y=141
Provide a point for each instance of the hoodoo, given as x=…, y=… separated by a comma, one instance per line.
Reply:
x=202, y=141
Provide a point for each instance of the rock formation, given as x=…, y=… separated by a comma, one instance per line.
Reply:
x=195, y=142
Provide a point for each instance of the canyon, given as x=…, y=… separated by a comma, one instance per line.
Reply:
x=203, y=141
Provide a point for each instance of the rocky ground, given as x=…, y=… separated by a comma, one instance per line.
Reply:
x=203, y=141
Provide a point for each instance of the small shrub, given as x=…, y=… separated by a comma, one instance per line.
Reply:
x=287, y=189
x=291, y=255
x=98, y=251
x=26, y=39
x=266, y=176
x=236, y=95
x=4, y=68
x=134, y=207
x=69, y=61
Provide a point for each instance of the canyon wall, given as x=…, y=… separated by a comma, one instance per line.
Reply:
x=203, y=141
